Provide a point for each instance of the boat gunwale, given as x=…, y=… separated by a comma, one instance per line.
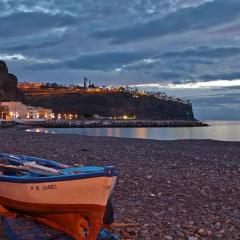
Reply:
x=59, y=178
x=108, y=171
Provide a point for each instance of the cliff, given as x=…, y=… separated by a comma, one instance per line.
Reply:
x=108, y=104
x=114, y=104
x=8, y=85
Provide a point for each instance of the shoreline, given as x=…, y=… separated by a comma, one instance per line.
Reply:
x=174, y=189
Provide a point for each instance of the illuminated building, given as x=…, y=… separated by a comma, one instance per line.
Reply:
x=18, y=110
x=30, y=85
x=4, y=112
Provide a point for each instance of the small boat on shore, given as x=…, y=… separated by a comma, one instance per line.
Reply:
x=70, y=199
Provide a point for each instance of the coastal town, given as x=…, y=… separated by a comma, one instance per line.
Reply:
x=40, y=88
x=89, y=105
x=19, y=111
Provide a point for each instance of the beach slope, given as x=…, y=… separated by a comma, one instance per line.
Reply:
x=173, y=189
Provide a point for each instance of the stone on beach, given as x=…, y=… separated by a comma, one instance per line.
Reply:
x=194, y=183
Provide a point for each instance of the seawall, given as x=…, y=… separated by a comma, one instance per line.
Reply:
x=116, y=123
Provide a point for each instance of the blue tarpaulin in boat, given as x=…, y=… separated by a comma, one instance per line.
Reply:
x=106, y=235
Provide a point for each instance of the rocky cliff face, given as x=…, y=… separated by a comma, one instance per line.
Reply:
x=8, y=85
x=115, y=104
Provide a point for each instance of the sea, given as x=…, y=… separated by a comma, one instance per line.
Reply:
x=218, y=130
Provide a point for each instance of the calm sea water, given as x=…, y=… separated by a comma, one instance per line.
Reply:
x=218, y=130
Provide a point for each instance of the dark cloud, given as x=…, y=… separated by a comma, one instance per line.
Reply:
x=140, y=67
x=204, y=52
x=106, y=61
x=202, y=17
x=199, y=61
x=231, y=88
x=222, y=76
x=218, y=99
x=22, y=24
x=172, y=76
x=33, y=46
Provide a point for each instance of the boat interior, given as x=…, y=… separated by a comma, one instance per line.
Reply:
x=29, y=167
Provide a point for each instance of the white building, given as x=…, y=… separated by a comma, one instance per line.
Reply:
x=18, y=110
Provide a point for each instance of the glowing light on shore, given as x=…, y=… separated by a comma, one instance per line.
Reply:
x=124, y=117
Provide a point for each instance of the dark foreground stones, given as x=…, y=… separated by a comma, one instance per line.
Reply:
x=187, y=189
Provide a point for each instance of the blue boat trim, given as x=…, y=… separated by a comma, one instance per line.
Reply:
x=55, y=178
x=85, y=171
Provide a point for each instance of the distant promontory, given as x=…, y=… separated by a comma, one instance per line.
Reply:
x=89, y=101
x=114, y=104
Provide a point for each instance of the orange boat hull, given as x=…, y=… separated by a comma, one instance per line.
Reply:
x=75, y=207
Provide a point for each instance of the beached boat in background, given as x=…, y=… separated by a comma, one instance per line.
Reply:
x=70, y=199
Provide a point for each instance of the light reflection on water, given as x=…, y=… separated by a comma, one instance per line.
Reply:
x=226, y=131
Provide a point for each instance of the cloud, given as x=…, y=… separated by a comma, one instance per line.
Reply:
x=30, y=23
x=142, y=64
x=21, y=57
x=33, y=45
x=227, y=76
x=31, y=6
x=232, y=29
x=183, y=20
x=229, y=88
x=9, y=57
x=173, y=76
x=104, y=61
x=194, y=85
x=221, y=100
x=204, y=52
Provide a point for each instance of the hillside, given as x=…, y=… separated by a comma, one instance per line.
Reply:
x=113, y=104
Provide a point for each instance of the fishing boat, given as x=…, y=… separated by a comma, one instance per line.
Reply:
x=71, y=199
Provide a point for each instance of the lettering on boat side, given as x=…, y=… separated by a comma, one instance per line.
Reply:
x=43, y=187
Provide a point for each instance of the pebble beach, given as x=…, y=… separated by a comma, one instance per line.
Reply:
x=184, y=189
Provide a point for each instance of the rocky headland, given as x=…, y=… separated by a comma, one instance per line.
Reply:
x=8, y=85
x=90, y=103
x=114, y=104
